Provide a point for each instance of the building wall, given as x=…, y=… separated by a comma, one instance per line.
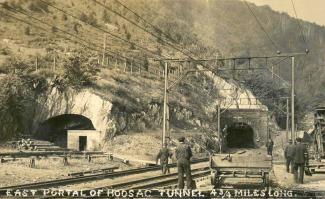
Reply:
x=256, y=118
x=93, y=139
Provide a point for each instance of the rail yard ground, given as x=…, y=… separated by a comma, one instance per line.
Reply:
x=50, y=168
x=18, y=172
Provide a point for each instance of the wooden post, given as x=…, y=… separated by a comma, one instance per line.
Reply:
x=65, y=160
x=36, y=63
x=131, y=66
x=104, y=49
x=219, y=127
x=110, y=157
x=292, y=97
x=165, y=106
x=54, y=63
x=234, y=69
x=32, y=162
x=125, y=62
x=287, y=122
x=167, y=115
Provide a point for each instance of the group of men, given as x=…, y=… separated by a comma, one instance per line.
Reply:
x=296, y=156
x=183, y=154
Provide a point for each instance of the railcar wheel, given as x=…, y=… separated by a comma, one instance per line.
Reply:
x=215, y=179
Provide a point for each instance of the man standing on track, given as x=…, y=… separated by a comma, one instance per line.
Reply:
x=269, y=146
x=183, y=155
x=164, y=155
x=299, y=160
x=288, y=155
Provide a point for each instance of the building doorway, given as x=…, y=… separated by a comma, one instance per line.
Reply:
x=82, y=143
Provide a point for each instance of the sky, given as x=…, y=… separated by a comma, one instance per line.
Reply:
x=309, y=10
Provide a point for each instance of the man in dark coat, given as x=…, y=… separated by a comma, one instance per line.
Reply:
x=183, y=154
x=299, y=160
x=288, y=155
x=269, y=146
x=164, y=155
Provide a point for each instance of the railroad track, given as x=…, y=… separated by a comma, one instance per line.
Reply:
x=156, y=181
x=152, y=183
x=24, y=154
x=80, y=179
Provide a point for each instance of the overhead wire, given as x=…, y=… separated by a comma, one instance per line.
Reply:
x=142, y=28
x=167, y=36
x=262, y=27
x=46, y=30
x=101, y=29
x=299, y=24
x=78, y=39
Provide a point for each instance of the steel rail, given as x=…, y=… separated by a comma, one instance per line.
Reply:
x=151, y=182
x=68, y=181
x=201, y=173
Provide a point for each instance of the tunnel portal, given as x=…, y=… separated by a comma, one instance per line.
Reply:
x=240, y=135
x=55, y=128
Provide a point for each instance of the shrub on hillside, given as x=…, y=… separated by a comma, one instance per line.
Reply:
x=90, y=19
x=80, y=71
x=27, y=30
x=38, y=6
x=5, y=51
x=14, y=65
x=54, y=29
x=16, y=100
x=105, y=17
x=127, y=35
x=64, y=17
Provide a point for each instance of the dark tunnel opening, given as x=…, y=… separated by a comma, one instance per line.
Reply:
x=240, y=135
x=55, y=128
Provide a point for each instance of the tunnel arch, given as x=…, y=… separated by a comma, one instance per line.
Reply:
x=54, y=129
x=240, y=135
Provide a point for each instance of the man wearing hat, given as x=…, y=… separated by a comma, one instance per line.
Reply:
x=183, y=154
x=269, y=146
x=299, y=159
x=288, y=155
x=164, y=155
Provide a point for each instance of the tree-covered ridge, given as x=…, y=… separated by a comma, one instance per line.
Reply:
x=202, y=29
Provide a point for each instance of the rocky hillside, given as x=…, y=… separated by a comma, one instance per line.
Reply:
x=53, y=49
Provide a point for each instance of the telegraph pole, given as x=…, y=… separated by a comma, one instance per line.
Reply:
x=292, y=97
x=287, y=123
x=219, y=127
x=165, y=105
x=104, y=49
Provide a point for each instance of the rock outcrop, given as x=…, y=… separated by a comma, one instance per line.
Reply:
x=70, y=101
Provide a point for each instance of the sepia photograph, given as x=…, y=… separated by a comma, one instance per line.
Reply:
x=162, y=99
